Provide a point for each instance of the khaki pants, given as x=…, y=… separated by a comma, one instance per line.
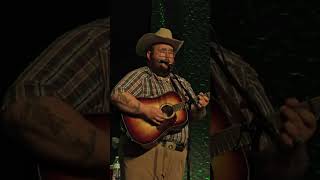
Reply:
x=158, y=163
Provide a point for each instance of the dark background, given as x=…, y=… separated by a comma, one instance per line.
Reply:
x=280, y=39
x=28, y=29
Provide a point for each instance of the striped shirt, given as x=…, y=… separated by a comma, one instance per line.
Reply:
x=143, y=83
x=74, y=68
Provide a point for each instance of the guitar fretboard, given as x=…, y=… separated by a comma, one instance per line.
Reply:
x=183, y=105
x=314, y=105
x=179, y=106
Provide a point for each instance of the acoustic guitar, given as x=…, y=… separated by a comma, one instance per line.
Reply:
x=147, y=134
x=229, y=161
x=48, y=171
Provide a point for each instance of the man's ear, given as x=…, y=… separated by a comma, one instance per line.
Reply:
x=148, y=53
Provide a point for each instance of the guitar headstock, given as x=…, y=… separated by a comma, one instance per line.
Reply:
x=314, y=105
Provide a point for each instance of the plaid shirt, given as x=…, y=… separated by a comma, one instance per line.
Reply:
x=74, y=68
x=248, y=80
x=143, y=83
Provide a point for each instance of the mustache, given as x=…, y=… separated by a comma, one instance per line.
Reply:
x=163, y=61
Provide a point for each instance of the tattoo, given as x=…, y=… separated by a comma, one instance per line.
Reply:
x=137, y=108
x=88, y=147
x=43, y=116
x=122, y=98
x=58, y=128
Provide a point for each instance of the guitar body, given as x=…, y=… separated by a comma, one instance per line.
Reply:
x=49, y=171
x=146, y=134
x=226, y=163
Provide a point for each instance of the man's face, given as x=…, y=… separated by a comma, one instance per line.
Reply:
x=161, y=53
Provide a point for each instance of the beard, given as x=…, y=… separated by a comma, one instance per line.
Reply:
x=160, y=67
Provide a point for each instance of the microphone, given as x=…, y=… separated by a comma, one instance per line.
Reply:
x=163, y=61
x=170, y=65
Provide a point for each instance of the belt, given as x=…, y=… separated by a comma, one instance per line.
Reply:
x=173, y=146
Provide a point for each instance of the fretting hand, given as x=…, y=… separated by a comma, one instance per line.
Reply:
x=203, y=100
x=299, y=122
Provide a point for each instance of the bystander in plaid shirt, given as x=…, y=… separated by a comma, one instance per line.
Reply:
x=74, y=68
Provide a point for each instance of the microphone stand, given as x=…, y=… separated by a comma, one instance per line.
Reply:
x=172, y=74
x=190, y=98
x=189, y=103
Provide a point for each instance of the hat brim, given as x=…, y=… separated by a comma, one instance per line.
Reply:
x=147, y=40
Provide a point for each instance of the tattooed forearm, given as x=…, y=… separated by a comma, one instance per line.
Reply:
x=87, y=147
x=137, y=108
x=122, y=98
x=57, y=129
x=37, y=113
x=126, y=102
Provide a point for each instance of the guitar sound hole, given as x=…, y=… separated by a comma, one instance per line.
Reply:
x=168, y=110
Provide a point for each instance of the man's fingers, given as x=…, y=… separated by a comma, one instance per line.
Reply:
x=307, y=117
x=160, y=116
x=156, y=122
x=199, y=105
x=291, y=130
x=293, y=102
x=286, y=139
x=300, y=117
x=292, y=116
x=202, y=100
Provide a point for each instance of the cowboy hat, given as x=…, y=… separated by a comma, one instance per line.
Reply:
x=163, y=35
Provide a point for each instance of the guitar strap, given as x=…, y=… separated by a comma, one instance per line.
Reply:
x=187, y=93
x=175, y=87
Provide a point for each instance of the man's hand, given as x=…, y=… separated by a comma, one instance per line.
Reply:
x=299, y=122
x=203, y=100
x=126, y=102
x=199, y=110
x=153, y=114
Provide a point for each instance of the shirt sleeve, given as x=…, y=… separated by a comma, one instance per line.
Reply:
x=131, y=83
x=69, y=68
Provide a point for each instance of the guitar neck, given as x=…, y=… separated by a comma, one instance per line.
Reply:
x=179, y=106
x=183, y=105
